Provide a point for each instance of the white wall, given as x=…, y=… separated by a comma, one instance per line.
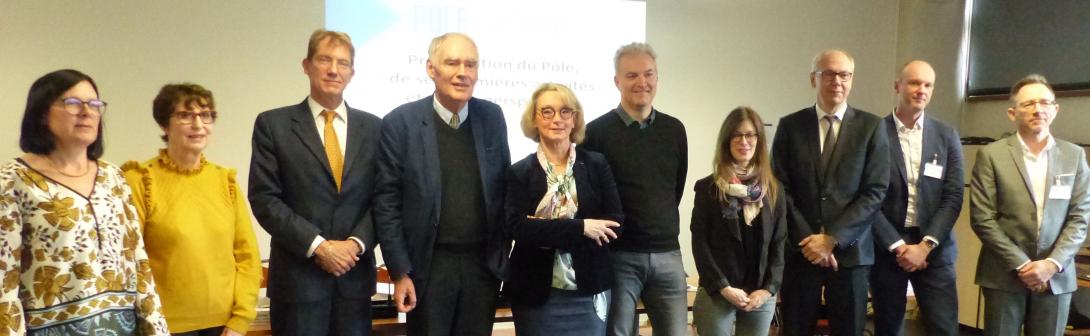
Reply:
x=716, y=55
x=931, y=30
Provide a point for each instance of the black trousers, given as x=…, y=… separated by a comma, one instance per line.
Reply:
x=214, y=331
x=935, y=288
x=845, y=297
x=335, y=317
x=459, y=298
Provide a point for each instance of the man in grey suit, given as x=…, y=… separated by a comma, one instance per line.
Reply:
x=1029, y=208
x=924, y=198
x=311, y=184
x=833, y=161
x=439, y=207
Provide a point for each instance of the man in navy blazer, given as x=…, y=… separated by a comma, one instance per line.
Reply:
x=926, y=188
x=833, y=161
x=439, y=207
x=312, y=178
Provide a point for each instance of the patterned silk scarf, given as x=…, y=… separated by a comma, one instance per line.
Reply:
x=561, y=200
x=744, y=190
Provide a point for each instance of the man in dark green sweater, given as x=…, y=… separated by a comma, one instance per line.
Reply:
x=648, y=152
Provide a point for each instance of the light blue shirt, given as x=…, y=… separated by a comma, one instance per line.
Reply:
x=446, y=114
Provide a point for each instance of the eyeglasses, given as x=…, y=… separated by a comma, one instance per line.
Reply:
x=548, y=113
x=748, y=136
x=828, y=76
x=74, y=106
x=1044, y=103
x=186, y=117
x=326, y=61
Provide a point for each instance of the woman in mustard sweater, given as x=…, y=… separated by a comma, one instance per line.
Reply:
x=196, y=222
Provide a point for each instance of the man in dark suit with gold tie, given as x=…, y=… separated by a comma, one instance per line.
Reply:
x=311, y=180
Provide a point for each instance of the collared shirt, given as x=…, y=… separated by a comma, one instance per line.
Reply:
x=446, y=114
x=340, y=121
x=340, y=126
x=1037, y=169
x=628, y=120
x=912, y=148
x=911, y=140
x=823, y=127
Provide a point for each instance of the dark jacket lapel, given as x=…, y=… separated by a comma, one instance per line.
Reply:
x=583, y=188
x=425, y=115
x=354, y=138
x=847, y=130
x=477, y=122
x=304, y=128
x=811, y=140
x=931, y=146
x=768, y=224
x=897, y=155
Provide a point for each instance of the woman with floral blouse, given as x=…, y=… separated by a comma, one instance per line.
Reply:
x=71, y=253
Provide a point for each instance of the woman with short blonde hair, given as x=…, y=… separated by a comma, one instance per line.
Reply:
x=562, y=210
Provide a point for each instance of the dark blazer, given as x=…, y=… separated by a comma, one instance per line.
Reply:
x=717, y=241
x=410, y=188
x=295, y=199
x=938, y=201
x=536, y=240
x=845, y=201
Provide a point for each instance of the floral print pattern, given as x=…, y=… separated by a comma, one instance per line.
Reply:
x=70, y=263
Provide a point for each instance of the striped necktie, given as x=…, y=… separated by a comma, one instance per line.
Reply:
x=454, y=121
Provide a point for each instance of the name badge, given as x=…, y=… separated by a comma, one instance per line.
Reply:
x=1058, y=190
x=933, y=169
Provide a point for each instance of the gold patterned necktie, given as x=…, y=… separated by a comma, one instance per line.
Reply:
x=454, y=120
x=333, y=148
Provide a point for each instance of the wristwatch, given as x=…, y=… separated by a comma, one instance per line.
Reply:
x=930, y=243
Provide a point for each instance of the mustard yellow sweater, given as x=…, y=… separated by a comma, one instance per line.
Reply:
x=200, y=243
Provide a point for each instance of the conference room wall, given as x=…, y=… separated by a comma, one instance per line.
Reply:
x=932, y=30
x=716, y=55
x=990, y=119
x=713, y=56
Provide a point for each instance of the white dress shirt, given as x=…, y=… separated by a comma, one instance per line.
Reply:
x=1037, y=169
x=911, y=140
